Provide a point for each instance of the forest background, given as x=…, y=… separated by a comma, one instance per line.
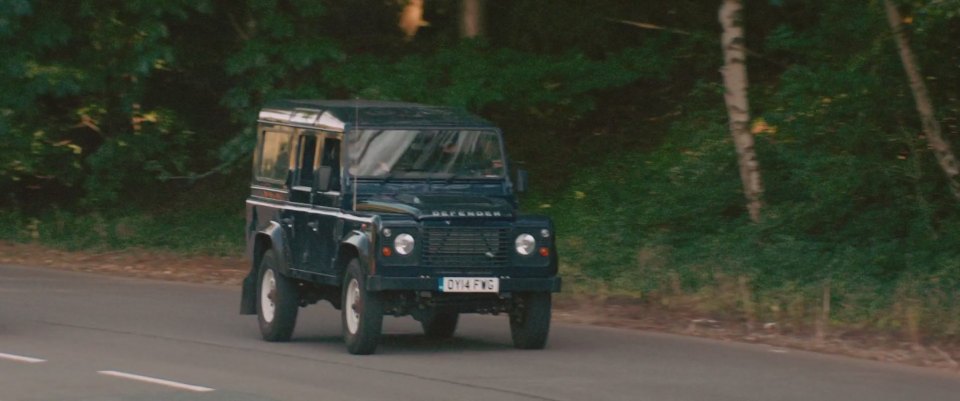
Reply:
x=130, y=124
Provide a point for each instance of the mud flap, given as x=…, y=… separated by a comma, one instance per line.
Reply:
x=248, y=295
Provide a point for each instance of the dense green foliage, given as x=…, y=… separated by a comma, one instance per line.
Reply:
x=130, y=124
x=854, y=199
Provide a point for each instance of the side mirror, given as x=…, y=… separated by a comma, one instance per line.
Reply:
x=522, y=180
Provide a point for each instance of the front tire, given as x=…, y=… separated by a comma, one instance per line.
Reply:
x=440, y=325
x=277, y=300
x=530, y=320
x=362, y=312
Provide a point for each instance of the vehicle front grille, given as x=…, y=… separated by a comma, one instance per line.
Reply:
x=478, y=247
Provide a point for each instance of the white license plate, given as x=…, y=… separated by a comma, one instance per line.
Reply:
x=469, y=284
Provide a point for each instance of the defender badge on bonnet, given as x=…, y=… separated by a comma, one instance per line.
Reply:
x=464, y=213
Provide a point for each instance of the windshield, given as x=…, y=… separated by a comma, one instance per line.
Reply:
x=425, y=154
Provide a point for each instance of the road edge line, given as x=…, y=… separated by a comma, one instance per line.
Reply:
x=154, y=380
x=21, y=358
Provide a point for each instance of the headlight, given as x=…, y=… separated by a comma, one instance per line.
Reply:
x=404, y=244
x=525, y=244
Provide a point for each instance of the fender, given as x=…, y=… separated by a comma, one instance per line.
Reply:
x=360, y=241
x=270, y=237
x=277, y=242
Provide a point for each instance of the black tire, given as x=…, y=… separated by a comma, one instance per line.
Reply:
x=440, y=325
x=276, y=312
x=361, y=312
x=530, y=320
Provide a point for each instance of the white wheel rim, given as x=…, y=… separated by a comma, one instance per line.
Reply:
x=268, y=292
x=352, y=307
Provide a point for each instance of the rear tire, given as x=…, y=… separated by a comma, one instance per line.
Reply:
x=278, y=300
x=440, y=325
x=362, y=312
x=530, y=320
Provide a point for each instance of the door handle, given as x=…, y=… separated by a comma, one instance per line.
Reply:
x=314, y=225
x=287, y=221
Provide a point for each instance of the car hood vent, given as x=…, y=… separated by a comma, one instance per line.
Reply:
x=436, y=206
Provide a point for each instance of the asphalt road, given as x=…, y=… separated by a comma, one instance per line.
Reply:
x=74, y=336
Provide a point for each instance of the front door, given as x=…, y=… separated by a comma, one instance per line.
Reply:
x=301, y=192
x=324, y=220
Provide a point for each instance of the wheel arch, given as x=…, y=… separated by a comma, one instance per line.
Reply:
x=355, y=244
x=270, y=237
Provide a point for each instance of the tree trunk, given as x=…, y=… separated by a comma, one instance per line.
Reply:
x=823, y=320
x=735, y=82
x=931, y=127
x=471, y=18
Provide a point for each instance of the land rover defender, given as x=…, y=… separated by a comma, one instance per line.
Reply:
x=385, y=208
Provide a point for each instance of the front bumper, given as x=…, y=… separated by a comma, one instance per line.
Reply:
x=381, y=283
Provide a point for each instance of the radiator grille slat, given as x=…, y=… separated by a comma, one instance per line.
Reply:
x=466, y=247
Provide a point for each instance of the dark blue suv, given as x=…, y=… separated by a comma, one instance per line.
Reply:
x=391, y=208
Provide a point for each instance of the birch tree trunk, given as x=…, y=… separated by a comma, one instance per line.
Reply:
x=471, y=18
x=931, y=127
x=735, y=82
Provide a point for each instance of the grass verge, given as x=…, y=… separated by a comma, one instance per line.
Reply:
x=215, y=232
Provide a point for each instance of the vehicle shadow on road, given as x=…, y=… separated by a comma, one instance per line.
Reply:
x=419, y=343
x=321, y=339
x=409, y=343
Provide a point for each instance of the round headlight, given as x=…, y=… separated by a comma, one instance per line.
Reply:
x=403, y=244
x=525, y=244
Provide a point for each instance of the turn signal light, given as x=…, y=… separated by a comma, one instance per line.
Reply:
x=387, y=251
x=544, y=251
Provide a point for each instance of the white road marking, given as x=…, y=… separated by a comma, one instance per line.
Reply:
x=779, y=350
x=162, y=382
x=20, y=358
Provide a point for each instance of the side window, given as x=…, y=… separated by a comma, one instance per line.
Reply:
x=308, y=155
x=329, y=171
x=274, y=156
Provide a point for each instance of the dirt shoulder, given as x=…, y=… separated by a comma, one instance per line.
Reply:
x=622, y=313
x=226, y=270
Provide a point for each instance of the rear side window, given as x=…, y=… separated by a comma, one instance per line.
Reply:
x=274, y=156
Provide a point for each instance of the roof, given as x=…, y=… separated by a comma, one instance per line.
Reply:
x=336, y=114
